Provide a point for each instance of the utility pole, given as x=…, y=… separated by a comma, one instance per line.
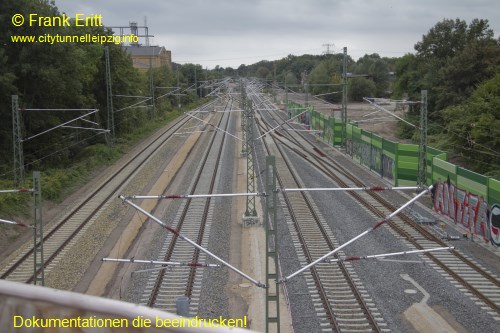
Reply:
x=286, y=97
x=243, y=107
x=422, y=149
x=306, y=88
x=328, y=45
x=250, y=217
x=195, y=81
x=151, y=83
x=272, y=266
x=206, y=80
x=18, y=142
x=178, y=91
x=110, y=136
x=38, y=259
x=344, y=99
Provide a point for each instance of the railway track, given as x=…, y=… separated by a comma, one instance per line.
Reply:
x=482, y=286
x=340, y=302
x=193, y=220
x=65, y=232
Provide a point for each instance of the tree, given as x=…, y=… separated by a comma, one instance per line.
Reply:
x=325, y=78
x=451, y=60
x=262, y=72
x=473, y=127
x=377, y=70
x=361, y=87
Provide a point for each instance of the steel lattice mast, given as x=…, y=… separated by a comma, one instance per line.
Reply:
x=272, y=264
x=152, y=84
x=109, y=100
x=18, y=142
x=243, y=101
x=38, y=259
x=422, y=149
x=344, y=99
x=250, y=212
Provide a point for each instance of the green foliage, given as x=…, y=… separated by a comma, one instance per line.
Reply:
x=473, y=127
x=361, y=87
x=72, y=76
x=326, y=78
x=451, y=60
x=13, y=204
x=377, y=70
x=262, y=72
x=290, y=79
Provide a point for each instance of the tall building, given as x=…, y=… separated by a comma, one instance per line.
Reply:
x=142, y=55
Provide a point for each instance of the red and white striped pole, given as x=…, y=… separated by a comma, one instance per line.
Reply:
x=383, y=255
x=199, y=247
x=158, y=262
x=192, y=196
x=21, y=190
x=165, y=264
x=262, y=194
x=16, y=223
x=371, y=188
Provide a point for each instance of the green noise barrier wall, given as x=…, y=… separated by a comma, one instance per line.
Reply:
x=397, y=162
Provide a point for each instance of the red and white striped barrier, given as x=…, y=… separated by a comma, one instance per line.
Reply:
x=383, y=255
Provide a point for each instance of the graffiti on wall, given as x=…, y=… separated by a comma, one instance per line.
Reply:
x=328, y=136
x=376, y=162
x=366, y=153
x=387, y=167
x=467, y=209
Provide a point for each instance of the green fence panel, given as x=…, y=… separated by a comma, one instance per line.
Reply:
x=349, y=128
x=366, y=137
x=407, y=164
x=472, y=182
x=376, y=154
x=356, y=143
x=377, y=141
x=389, y=148
x=493, y=192
x=323, y=125
x=431, y=152
x=356, y=134
x=366, y=151
x=337, y=132
x=442, y=170
x=329, y=131
x=313, y=119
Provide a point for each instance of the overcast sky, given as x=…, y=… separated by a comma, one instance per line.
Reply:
x=235, y=32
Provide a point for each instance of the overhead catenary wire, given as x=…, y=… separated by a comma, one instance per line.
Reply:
x=389, y=112
x=199, y=247
x=263, y=194
x=61, y=125
x=216, y=127
x=278, y=126
x=352, y=240
x=383, y=255
x=87, y=128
